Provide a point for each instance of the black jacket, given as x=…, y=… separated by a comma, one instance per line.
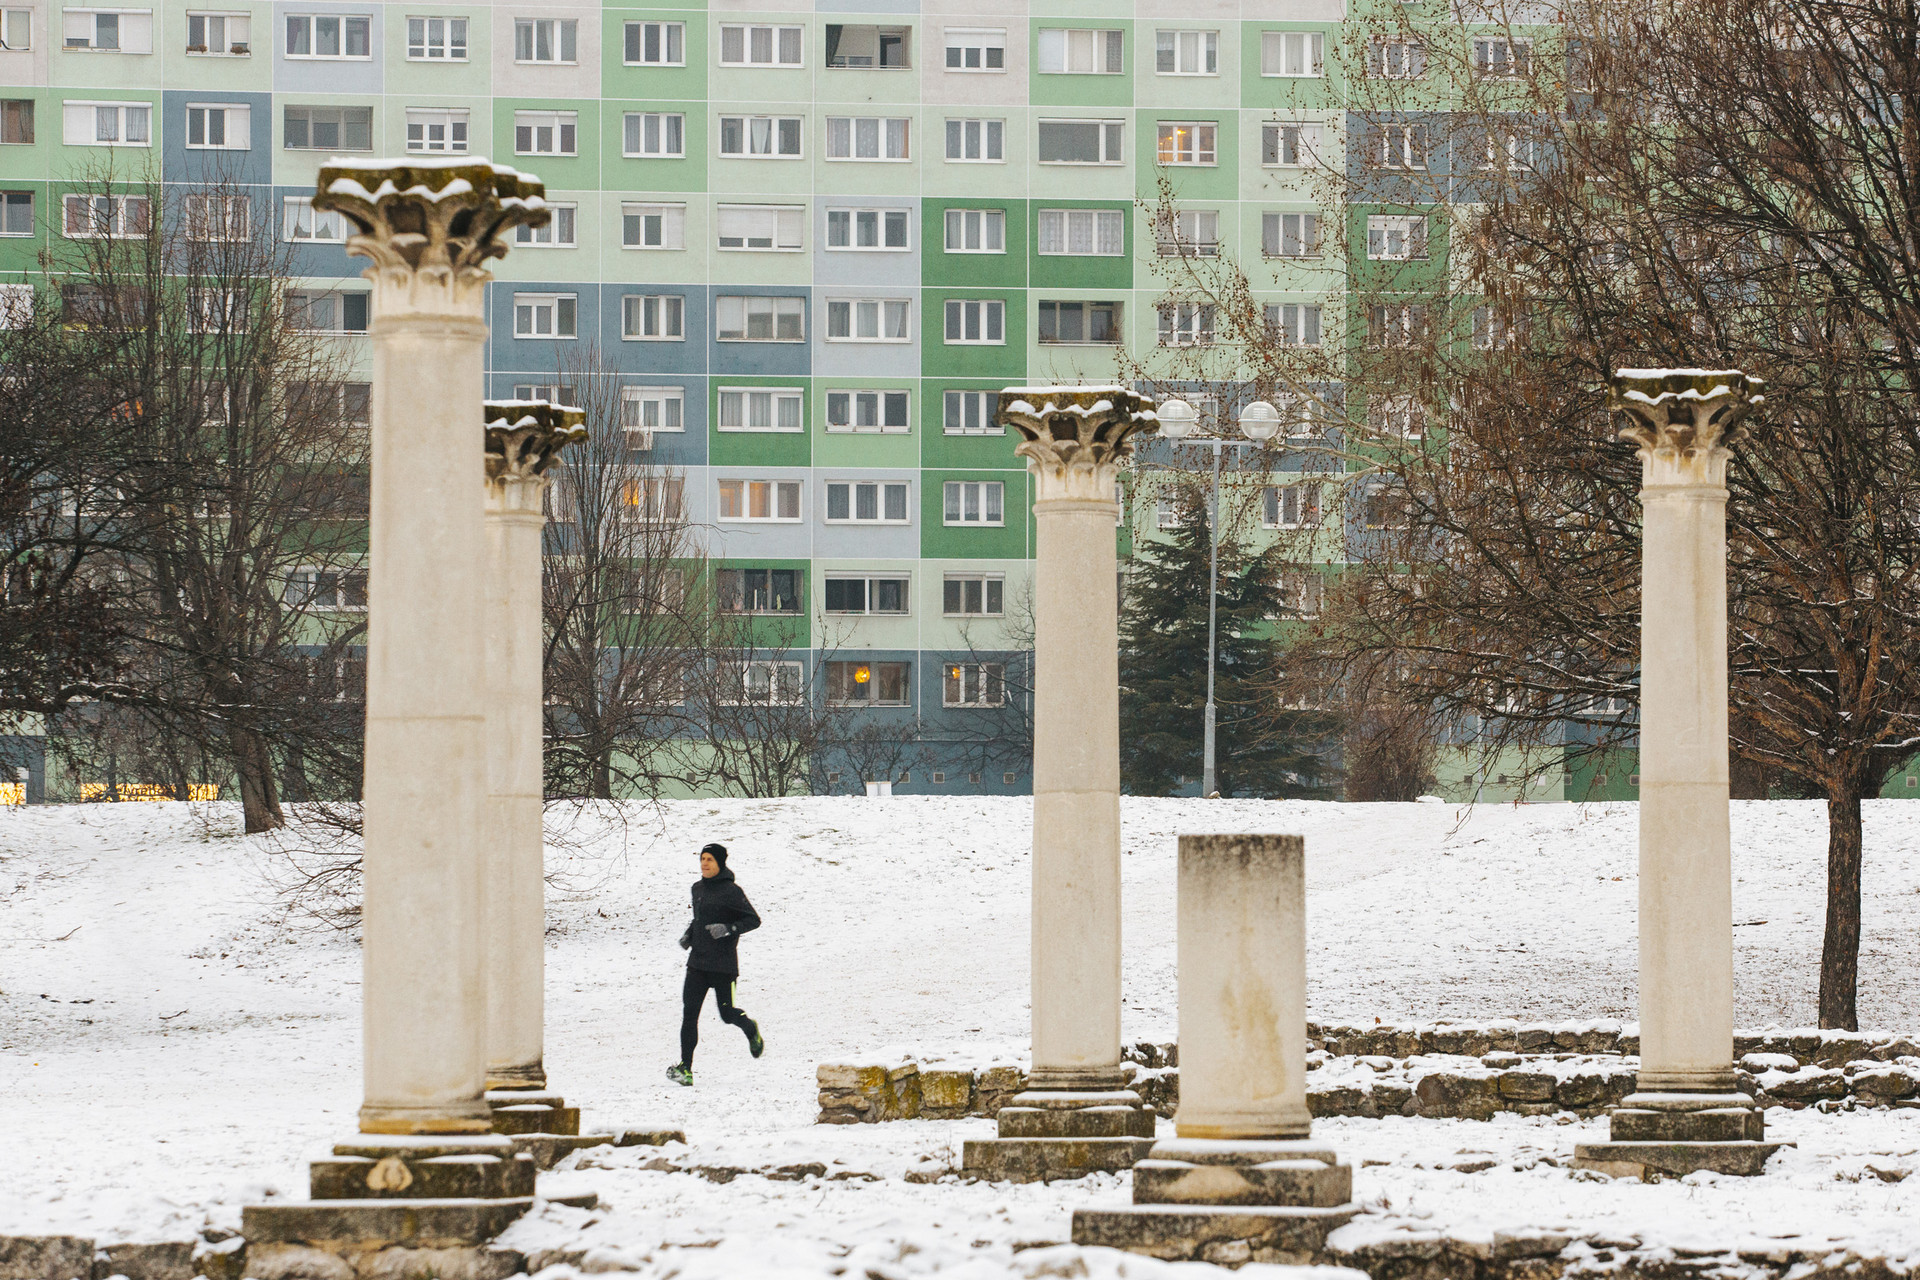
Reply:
x=719, y=901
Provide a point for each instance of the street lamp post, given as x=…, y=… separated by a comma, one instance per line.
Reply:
x=1258, y=422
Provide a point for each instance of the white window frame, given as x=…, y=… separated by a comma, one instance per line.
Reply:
x=1396, y=60
x=1396, y=416
x=633, y=135
x=633, y=36
x=1291, y=506
x=308, y=579
x=891, y=141
x=230, y=213
x=777, y=43
x=978, y=497
x=876, y=61
x=782, y=226
x=985, y=314
x=634, y=401
x=16, y=305
x=665, y=312
x=9, y=202
x=299, y=304
x=778, y=398
x=669, y=221
x=124, y=113
x=547, y=393
x=311, y=109
x=850, y=667
x=846, y=320
x=426, y=44
x=867, y=593
x=16, y=30
x=128, y=37
x=1185, y=324
x=217, y=310
x=235, y=130
x=117, y=223
x=558, y=306
x=781, y=307
x=777, y=136
x=563, y=36
x=1195, y=233
x=455, y=121
x=985, y=406
x=983, y=136
x=1402, y=146
x=986, y=582
x=1203, y=44
x=1104, y=54
x=850, y=398
x=745, y=489
x=22, y=112
x=855, y=220
x=1118, y=318
x=1306, y=233
x=561, y=231
x=1112, y=135
x=1057, y=226
x=564, y=124
x=786, y=681
x=1187, y=144
x=1296, y=324
x=344, y=19
x=1298, y=138
x=1502, y=56
x=1281, y=51
x=232, y=22
x=956, y=676
x=882, y=490
x=978, y=231
x=983, y=42
x=1393, y=237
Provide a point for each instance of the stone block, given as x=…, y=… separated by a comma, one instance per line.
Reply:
x=549, y=1149
x=167, y=1260
x=1340, y=1100
x=1720, y=1124
x=1581, y=1090
x=871, y=1093
x=46, y=1258
x=658, y=1137
x=1534, y=1040
x=534, y=1118
x=1081, y=1122
x=1230, y=1236
x=302, y=1262
x=1884, y=1084
x=332, y=1225
x=457, y=1177
x=1273, y=1182
x=222, y=1260
x=1467, y=1097
x=1049, y=1159
x=1526, y=1086
x=1651, y=1161
x=1391, y=1097
x=994, y=1086
x=1808, y=1084
x=945, y=1095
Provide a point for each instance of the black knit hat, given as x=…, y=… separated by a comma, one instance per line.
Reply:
x=719, y=852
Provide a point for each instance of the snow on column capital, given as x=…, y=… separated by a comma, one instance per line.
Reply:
x=1684, y=420
x=523, y=441
x=430, y=226
x=1075, y=438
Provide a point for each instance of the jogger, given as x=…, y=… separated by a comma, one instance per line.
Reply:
x=721, y=913
x=693, y=995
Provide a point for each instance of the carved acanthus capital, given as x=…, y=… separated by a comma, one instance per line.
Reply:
x=1075, y=438
x=1684, y=420
x=524, y=438
x=430, y=226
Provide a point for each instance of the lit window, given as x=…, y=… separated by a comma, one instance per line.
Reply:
x=760, y=500
x=1187, y=142
x=974, y=684
x=867, y=684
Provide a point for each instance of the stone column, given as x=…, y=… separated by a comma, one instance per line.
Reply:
x=1074, y=440
x=1241, y=1181
x=523, y=438
x=1688, y=1112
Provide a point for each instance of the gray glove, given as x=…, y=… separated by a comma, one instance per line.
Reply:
x=717, y=931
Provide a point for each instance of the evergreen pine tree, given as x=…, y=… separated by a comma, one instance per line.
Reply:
x=1163, y=667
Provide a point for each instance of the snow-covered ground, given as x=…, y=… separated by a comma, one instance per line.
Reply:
x=175, y=1044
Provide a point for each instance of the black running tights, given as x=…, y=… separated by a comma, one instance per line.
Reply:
x=693, y=995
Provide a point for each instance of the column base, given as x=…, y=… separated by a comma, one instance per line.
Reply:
x=530, y=1075
x=408, y=1167
x=532, y=1111
x=1654, y=1135
x=385, y=1239
x=1048, y=1134
x=470, y=1117
x=1228, y=1201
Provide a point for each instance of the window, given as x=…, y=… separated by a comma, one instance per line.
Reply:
x=1391, y=238
x=437, y=39
x=759, y=46
x=1188, y=233
x=546, y=393
x=108, y=124
x=1396, y=324
x=341, y=589
x=976, y=49
x=869, y=411
x=324, y=312
x=1396, y=60
x=1382, y=508
x=1291, y=506
x=976, y=231
x=1290, y=235
x=544, y=40
x=761, y=409
x=558, y=233
x=1303, y=590
x=1492, y=330
x=1187, y=142
x=16, y=122
x=654, y=317
x=1186, y=324
x=866, y=502
x=1399, y=146
x=867, y=320
x=653, y=226
x=16, y=30
x=884, y=229
x=1293, y=53
x=976, y=141
x=971, y=322
x=348, y=401
x=867, y=594
x=1186, y=53
x=653, y=409
x=867, y=46
x=439, y=131
x=866, y=138
x=974, y=684
x=1080, y=142
x=108, y=30
x=1088, y=232
x=217, y=311
x=972, y=413
x=1498, y=56
x=974, y=502
x=105, y=217
x=222, y=128
x=546, y=133
x=652, y=499
x=16, y=213
x=760, y=137
x=763, y=228
x=328, y=36
x=1293, y=324
x=114, y=305
x=867, y=684
x=763, y=500
x=220, y=34
x=1398, y=416
x=215, y=216
x=328, y=129
x=301, y=221
x=742, y=319
x=1082, y=52
x=1289, y=146
x=1505, y=149
x=545, y=315
x=973, y=595
x=655, y=134
x=770, y=683
x=1079, y=321
x=656, y=44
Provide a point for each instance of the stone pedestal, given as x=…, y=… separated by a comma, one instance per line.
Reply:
x=1077, y=1115
x=426, y=1173
x=1688, y=1112
x=1242, y=1181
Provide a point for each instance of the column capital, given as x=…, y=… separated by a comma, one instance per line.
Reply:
x=1684, y=420
x=430, y=226
x=1075, y=438
x=523, y=439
